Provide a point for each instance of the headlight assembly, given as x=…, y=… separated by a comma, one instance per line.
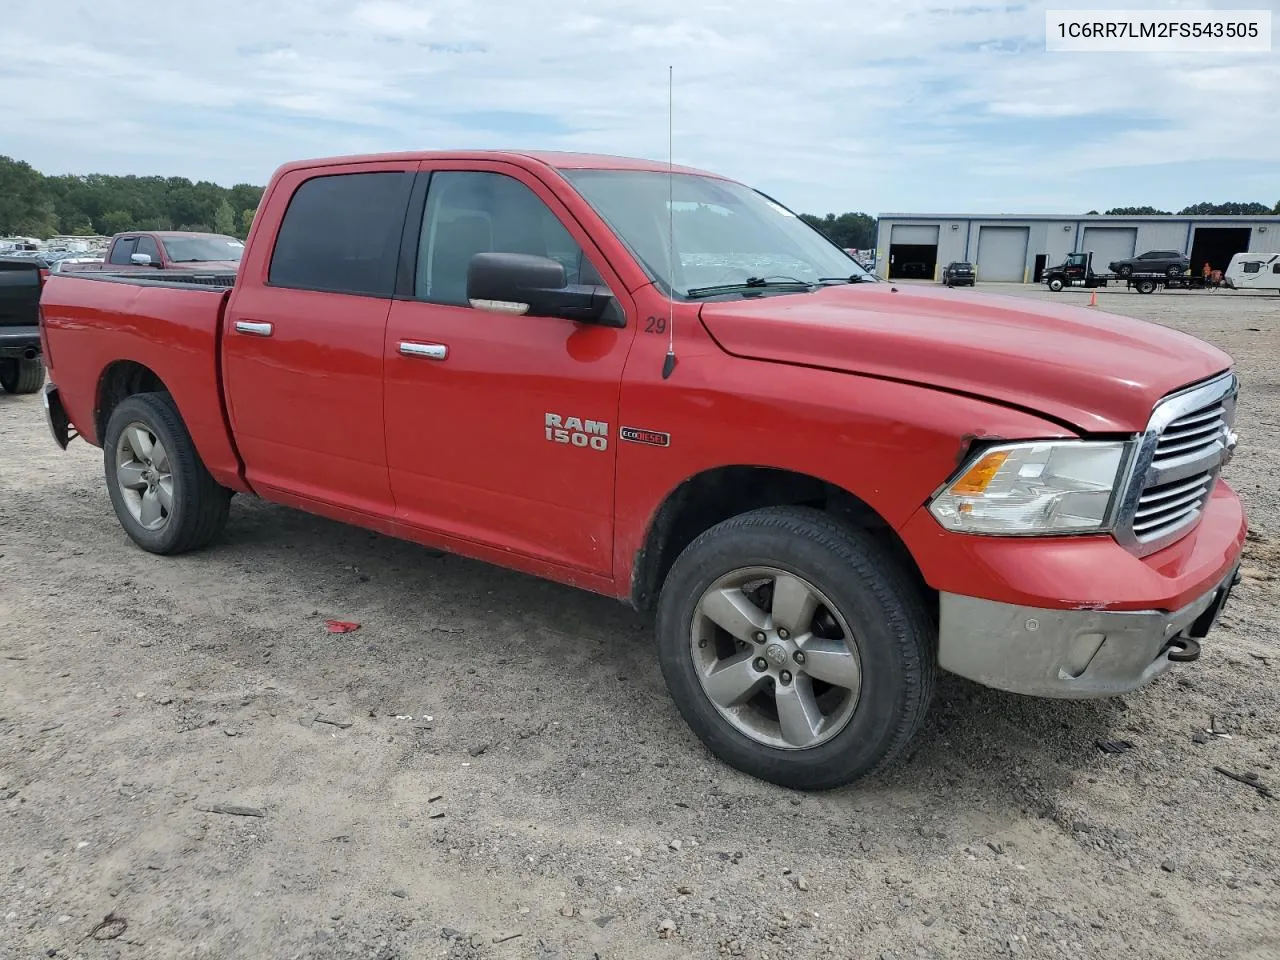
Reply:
x=1034, y=489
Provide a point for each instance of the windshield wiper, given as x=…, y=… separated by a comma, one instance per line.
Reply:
x=852, y=278
x=751, y=283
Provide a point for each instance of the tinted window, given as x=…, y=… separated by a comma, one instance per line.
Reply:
x=342, y=233
x=200, y=249
x=148, y=246
x=1276, y=268
x=470, y=213
x=122, y=249
x=1253, y=266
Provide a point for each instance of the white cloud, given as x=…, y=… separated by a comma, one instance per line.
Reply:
x=823, y=103
x=388, y=16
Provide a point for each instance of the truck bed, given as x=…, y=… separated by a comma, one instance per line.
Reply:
x=171, y=331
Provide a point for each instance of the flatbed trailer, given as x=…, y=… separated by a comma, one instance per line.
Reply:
x=1150, y=282
x=1077, y=271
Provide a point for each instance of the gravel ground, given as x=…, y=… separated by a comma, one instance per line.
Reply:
x=490, y=767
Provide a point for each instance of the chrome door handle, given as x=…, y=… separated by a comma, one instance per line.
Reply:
x=432, y=351
x=254, y=328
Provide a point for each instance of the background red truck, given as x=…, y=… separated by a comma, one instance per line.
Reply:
x=181, y=251
x=827, y=486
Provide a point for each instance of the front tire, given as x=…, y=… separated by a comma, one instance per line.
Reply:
x=19, y=375
x=796, y=647
x=1055, y=285
x=162, y=494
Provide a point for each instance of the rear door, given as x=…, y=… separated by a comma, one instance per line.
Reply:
x=501, y=429
x=303, y=337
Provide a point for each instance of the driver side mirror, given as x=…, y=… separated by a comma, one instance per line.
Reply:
x=141, y=259
x=522, y=283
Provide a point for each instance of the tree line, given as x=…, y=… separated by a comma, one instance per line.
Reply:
x=33, y=204
x=1197, y=210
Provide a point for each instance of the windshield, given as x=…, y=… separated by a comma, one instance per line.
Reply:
x=197, y=249
x=724, y=232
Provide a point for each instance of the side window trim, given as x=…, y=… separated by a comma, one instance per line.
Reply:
x=321, y=173
x=407, y=262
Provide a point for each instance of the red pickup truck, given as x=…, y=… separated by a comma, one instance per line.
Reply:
x=176, y=250
x=661, y=385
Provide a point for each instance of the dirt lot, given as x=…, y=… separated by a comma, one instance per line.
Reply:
x=576, y=816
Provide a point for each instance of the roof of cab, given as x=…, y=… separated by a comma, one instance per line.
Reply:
x=552, y=158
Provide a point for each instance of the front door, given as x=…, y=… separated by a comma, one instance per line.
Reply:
x=303, y=338
x=501, y=430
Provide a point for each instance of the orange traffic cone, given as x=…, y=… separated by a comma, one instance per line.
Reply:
x=1093, y=299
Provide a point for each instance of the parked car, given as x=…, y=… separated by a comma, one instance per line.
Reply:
x=45, y=260
x=1253, y=271
x=21, y=368
x=71, y=263
x=959, y=273
x=144, y=252
x=1169, y=262
x=826, y=489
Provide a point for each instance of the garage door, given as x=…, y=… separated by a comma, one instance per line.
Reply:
x=1002, y=253
x=922, y=235
x=1108, y=244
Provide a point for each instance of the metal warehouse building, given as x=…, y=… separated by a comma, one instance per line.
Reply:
x=1014, y=248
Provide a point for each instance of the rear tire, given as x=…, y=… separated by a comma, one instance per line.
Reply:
x=860, y=603
x=1146, y=286
x=162, y=493
x=18, y=375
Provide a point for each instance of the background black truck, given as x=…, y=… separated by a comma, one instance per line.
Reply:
x=21, y=366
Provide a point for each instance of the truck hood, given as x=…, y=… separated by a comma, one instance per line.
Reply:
x=1096, y=371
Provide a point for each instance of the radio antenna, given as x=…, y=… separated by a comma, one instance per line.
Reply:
x=669, y=363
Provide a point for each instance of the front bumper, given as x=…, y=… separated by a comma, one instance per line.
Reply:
x=1073, y=654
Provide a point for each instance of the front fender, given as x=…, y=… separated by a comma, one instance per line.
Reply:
x=888, y=444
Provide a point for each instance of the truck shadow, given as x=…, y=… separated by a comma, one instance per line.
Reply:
x=976, y=742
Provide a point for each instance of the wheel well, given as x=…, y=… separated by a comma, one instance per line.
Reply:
x=121, y=380
x=708, y=498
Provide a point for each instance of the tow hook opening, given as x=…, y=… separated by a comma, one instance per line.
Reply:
x=1183, y=650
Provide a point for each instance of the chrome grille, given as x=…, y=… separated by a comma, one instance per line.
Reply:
x=1170, y=505
x=1176, y=464
x=1192, y=435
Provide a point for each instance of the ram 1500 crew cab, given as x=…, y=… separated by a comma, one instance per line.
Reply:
x=663, y=386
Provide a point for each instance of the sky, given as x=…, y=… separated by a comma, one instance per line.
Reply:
x=827, y=105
